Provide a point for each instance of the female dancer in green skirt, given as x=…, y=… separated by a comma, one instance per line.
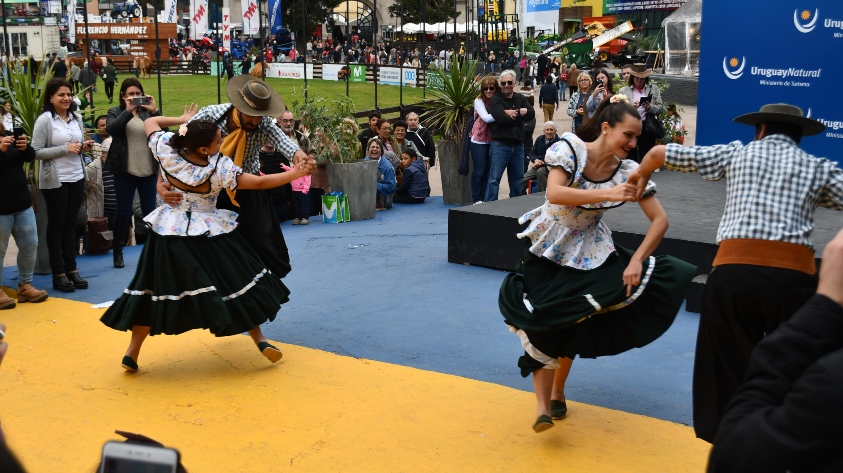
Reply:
x=194, y=271
x=575, y=292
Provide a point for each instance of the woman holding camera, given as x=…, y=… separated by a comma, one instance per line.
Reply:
x=130, y=159
x=58, y=140
x=602, y=90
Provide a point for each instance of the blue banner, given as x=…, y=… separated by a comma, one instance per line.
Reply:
x=543, y=5
x=275, y=16
x=781, y=53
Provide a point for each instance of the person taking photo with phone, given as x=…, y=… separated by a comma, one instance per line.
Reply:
x=129, y=159
x=648, y=99
x=602, y=90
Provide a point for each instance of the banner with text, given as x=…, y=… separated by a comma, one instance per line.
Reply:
x=358, y=73
x=198, y=18
x=543, y=5
x=611, y=7
x=249, y=8
x=331, y=71
x=288, y=70
x=71, y=23
x=275, y=16
x=748, y=68
x=169, y=14
x=397, y=76
x=226, y=28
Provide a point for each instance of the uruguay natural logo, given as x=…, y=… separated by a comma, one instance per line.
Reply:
x=733, y=68
x=804, y=21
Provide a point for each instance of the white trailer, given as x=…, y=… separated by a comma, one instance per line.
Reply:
x=33, y=40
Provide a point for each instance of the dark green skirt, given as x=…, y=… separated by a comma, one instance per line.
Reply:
x=565, y=312
x=186, y=283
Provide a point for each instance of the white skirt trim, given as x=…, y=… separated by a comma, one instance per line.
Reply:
x=196, y=292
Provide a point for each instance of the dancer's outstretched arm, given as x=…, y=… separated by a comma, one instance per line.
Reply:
x=559, y=193
x=153, y=124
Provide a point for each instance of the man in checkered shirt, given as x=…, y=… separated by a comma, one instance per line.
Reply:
x=764, y=269
x=254, y=107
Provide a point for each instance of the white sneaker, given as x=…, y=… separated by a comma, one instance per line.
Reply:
x=478, y=202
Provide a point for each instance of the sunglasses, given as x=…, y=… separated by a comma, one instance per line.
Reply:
x=507, y=82
x=490, y=88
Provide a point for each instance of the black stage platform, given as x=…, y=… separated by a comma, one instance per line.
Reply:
x=484, y=234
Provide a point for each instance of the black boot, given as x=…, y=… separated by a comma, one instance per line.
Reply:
x=121, y=225
x=77, y=280
x=63, y=284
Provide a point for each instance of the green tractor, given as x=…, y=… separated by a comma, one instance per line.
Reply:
x=580, y=54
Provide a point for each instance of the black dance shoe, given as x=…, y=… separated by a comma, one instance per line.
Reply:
x=63, y=284
x=269, y=351
x=77, y=280
x=558, y=409
x=129, y=364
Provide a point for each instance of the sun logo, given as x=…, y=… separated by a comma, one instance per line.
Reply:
x=733, y=63
x=799, y=20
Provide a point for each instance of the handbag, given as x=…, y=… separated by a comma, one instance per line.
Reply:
x=654, y=127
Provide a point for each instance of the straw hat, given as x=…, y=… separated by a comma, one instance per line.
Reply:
x=254, y=97
x=782, y=113
x=640, y=70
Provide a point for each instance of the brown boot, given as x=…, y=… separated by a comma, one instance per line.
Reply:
x=27, y=293
x=6, y=302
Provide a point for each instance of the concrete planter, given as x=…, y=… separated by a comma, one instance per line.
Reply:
x=456, y=188
x=42, y=257
x=358, y=180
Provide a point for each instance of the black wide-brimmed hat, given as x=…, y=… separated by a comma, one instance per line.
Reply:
x=782, y=113
x=254, y=97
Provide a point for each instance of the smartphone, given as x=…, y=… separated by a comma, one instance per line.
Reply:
x=119, y=457
x=645, y=99
x=600, y=82
x=140, y=100
x=17, y=132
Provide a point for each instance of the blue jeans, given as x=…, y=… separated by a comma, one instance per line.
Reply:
x=480, y=173
x=511, y=159
x=22, y=226
x=124, y=190
x=562, y=89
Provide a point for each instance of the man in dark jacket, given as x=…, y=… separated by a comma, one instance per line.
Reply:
x=510, y=111
x=88, y=80
x=109, y=76
x=421, y=137
x=786, y=415
x=246, y=65
x=369, y=133
x=59, y=69
x=537, y=169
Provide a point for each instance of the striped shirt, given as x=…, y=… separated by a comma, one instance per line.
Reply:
x=772, y=186
x=267, y=133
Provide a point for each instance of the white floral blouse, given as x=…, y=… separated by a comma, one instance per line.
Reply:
x=197, y=214
x=575, y=236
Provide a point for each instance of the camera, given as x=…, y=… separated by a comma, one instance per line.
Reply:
x=143, y=100
x=119, y=457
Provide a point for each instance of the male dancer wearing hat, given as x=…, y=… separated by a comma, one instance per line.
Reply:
x=247, y=123
x=764, y=270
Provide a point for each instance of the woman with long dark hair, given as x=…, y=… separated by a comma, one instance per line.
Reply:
x=130, y=159
x=576, y=292
x=58, y=140
x=601, y=90
x=481, y=139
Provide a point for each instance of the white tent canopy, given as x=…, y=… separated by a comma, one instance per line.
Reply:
x=682, y=38
x=441, y=28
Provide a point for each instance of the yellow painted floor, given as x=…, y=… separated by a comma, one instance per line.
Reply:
x=226, y=408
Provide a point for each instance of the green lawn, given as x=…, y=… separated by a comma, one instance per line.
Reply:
x=176, y=91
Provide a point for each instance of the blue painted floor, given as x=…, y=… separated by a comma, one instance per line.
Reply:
x=382, y=289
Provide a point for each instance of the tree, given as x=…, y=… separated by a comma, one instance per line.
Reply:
x=428, y=11
x=316, y=12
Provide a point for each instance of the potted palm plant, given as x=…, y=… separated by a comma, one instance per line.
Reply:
x=333, y=134
x=448, y=113
x=25, y=94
